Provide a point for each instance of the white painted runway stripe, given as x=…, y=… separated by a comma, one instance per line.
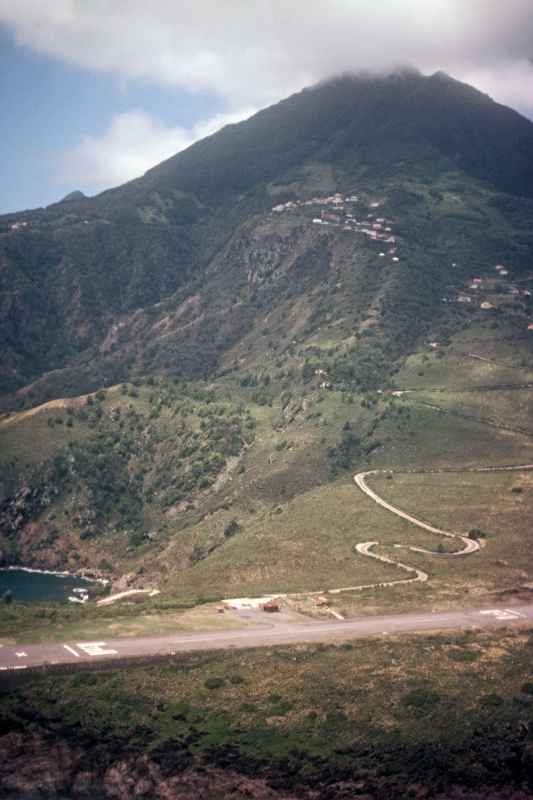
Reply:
x=71, y=650
x=516, y=613
x=95, y=649
x=501, y=614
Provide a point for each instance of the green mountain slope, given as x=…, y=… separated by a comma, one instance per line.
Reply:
x=301, y=295
x=431, y=146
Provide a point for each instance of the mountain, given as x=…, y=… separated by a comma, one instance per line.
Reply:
x=71, y=273
x=213, y=347
x=76, y=195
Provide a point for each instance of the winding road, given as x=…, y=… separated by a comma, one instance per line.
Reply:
x=284, y=628
x=469, y=545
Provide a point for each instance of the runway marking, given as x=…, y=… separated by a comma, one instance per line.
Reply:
x=96, y=649
x=22, y=654
x=71, y=650
x=516, y=613
x=501, y=613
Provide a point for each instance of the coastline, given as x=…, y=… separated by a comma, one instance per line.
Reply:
x=57, y=573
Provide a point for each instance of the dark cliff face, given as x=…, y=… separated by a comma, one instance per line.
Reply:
x=70, y=272
x=42, y=766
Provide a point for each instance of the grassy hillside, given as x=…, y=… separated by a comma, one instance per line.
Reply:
x=97, y=477
x=227, y=343
x=278, y=511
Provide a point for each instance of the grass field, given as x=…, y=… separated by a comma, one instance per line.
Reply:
x=499, y=505
x=509, y=361
x=60, y=625
x=508, y=408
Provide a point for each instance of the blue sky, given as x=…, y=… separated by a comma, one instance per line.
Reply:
x=95, y=93
x=49, y=106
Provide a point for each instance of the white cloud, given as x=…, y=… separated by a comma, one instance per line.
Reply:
x=252, y=52
x=510, y=84
x=133, y=143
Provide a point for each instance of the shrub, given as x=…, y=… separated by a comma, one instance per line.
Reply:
x=477, y=533
x=248, y=708
x=214, y=683
x=491, y=700
x=463, y=655
x=231, y=528
x=421, y=698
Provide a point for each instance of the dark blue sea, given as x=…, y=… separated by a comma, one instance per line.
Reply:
x=39, y=586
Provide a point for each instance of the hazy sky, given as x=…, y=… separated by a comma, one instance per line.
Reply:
x=94, y=92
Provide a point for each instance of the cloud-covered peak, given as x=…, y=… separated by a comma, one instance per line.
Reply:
x=251, y=52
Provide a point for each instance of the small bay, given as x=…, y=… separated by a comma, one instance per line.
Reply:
x=34, y=586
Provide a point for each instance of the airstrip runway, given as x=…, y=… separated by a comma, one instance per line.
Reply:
x=266, y=634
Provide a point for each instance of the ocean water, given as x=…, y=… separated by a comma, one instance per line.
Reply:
x=39, y=586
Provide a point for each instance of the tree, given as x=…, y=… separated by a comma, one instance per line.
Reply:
x=231, y=528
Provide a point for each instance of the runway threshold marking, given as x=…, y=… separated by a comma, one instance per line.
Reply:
x=71, y=650
x=501, y=613
x=516, y=613
x=96, y=649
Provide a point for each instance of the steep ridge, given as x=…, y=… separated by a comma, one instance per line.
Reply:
x=72, y=272
x=220, y=338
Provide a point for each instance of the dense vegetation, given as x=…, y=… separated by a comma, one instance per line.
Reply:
x=131, y=456
x=446, y=716
x=78, y=271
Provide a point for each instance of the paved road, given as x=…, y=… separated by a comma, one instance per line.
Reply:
x=22, y=657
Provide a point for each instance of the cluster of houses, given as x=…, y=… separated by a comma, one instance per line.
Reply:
x=336, y=199
x=336, y=210
x=17, y=226
x=487, y=284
